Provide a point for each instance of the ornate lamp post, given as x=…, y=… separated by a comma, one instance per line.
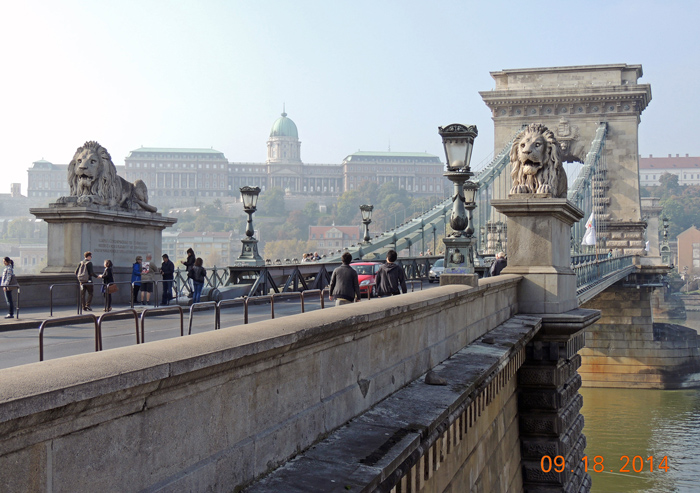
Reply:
x=366, y=211
x=249, y=253
x=499, y=230
x=458, y=141
x=665, y=248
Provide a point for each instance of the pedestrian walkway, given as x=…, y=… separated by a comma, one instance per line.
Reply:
x=28, y=318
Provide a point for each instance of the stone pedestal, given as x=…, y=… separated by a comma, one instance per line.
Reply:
x=112, y=234
x=539, y=248
x=459, y=262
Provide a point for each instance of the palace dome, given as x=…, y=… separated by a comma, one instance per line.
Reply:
x=284, y=127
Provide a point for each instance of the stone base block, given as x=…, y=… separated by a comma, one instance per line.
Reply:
x=466, y=279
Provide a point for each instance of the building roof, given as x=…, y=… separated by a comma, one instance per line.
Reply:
x=42, y=163
x=346, y=230
x=372, y=155
x=175, y=150
x=670, y=162
x=690, y=231
x=284, y=127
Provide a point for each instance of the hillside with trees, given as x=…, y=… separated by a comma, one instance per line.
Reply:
x=681, y=203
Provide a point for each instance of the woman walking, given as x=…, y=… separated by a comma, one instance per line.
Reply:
x=198, y=275
x=107, y=279
x=8, y=280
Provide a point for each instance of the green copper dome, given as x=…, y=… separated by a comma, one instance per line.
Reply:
x=284, y=127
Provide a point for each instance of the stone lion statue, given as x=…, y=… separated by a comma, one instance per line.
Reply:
x=536, y=165
x=93, y=179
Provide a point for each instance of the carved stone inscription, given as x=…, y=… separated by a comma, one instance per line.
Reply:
x=107, y=245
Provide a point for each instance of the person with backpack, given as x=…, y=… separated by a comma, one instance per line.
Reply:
x=85, y=273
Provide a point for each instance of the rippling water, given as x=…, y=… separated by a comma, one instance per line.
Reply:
x=643, y=423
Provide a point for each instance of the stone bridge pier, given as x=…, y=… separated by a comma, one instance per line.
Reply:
x=626, y=349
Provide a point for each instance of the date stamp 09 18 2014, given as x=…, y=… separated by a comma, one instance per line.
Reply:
x=636, y=463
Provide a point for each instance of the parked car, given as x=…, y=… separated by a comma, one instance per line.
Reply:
x=436, y=270
x=367, y=275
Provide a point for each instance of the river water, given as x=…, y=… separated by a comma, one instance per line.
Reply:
x=644, y=423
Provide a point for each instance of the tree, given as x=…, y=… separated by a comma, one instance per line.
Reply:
x=669, y=185
x=348, y=207
x=271, y=203
x=287, y=249
x=20, y=228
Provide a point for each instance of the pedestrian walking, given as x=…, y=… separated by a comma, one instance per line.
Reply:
x=9, y=283
x=167, y=269
x=345, y=286
x=198, y=275
x=499, y=264
x=136, y=278
x=148, y=278
x=84, y=272
x=107, y=279
x=391, y=279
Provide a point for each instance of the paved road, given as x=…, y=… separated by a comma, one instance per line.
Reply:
x=19, y=339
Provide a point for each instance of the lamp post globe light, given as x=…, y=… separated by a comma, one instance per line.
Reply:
x=249, y=253
x=458, y=141
x=366, y=211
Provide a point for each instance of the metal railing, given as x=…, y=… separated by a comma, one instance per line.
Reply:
x=161, y=311
x=117, y=314
x=595, y=275
x=75, y=284
x=62, y=321
x=203, y=306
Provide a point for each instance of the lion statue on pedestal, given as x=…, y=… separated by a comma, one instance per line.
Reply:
x=93, y=179
x=536, y=165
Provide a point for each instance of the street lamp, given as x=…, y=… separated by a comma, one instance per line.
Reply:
x=685, y=276
x=249, y=253
x=665, y=248
x=366, y=211
x=458, y=141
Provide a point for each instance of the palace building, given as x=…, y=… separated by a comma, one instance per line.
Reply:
x=182, y=176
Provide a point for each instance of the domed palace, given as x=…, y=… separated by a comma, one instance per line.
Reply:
x=184, y=176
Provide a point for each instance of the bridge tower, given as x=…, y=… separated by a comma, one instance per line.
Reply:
x=573, y=102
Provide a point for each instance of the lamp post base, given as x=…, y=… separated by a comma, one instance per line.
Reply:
x=459, y=261
x=249, y=253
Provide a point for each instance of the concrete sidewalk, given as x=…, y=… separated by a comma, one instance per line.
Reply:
x=28, y=318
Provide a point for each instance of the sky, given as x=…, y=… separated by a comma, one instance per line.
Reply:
x=353, y=75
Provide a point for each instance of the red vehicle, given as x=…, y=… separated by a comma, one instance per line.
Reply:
x=367, y=274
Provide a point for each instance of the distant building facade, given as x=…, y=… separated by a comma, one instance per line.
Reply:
x=218, y=249
x=180, y=176
x=689, y=250
x=332, y=238
x=687, y=168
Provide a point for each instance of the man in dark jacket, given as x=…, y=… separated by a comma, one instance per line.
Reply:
x=85, y=273
x=167, y=269
x=345, y=286
x=499, y=264
x=391, y=277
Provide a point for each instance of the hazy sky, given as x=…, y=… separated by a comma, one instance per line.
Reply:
x=354, y=75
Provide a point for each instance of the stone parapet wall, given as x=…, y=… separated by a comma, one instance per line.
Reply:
x=216, y=410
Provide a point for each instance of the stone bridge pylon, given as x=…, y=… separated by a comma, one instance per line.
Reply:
x=573, y=102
